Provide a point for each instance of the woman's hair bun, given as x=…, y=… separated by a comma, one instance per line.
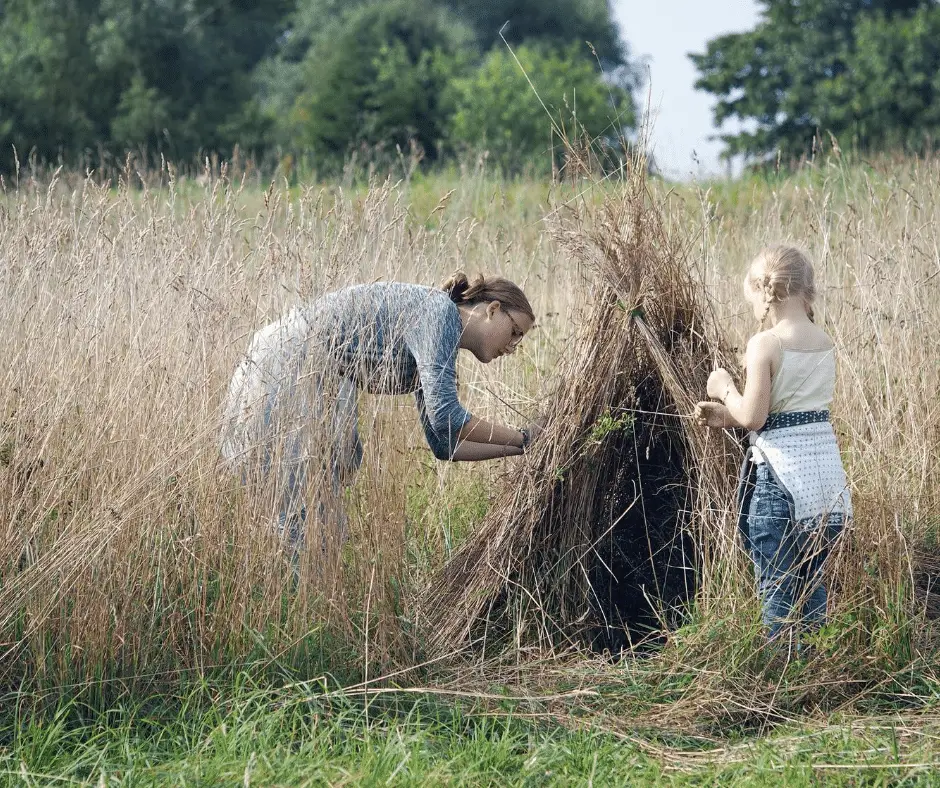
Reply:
x=481, y=289
x=456, y=286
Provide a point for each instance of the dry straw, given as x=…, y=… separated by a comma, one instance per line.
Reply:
x=623, y=508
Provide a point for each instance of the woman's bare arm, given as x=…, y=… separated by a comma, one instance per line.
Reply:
x=470, y=451
x=485, y=432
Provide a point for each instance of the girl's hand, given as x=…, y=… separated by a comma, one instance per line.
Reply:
x=711, y=414
x=719, y=384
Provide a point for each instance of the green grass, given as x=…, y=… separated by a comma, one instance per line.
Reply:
x=674, y=717
x=302, y=735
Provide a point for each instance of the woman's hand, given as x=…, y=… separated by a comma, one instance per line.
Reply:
x=720, y=384
x=712, y=414
x=536, y=428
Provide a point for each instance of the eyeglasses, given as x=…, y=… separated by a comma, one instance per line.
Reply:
x=517, y=333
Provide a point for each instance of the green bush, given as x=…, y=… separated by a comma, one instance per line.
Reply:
x=519, y=124
x=379, y=83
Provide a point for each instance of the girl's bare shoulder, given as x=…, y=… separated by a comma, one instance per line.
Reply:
x=764, y=339
x=764, y=345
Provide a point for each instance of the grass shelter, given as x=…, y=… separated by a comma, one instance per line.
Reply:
x=600, y=535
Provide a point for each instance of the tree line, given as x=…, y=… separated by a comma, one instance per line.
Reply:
x=323, y=81
x=81, y=80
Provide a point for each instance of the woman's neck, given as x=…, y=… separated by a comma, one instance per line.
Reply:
x=469, y=339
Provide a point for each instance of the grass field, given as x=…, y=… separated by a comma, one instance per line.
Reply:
x=152, y=630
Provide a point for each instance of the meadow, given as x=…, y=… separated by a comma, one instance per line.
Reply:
x=153, y=631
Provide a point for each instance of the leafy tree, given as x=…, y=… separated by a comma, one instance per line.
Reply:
x=474, y=24
x=49, y=99
x=184, y=67
x=791, y=77
x=378, y=82
x=497, y=110
x=555, y=23
x=171, y=75
x=281, y=78
x=141, y=116
x=180, y=77
x=895, y=74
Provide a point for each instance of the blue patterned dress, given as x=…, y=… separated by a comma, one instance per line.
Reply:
x=292, y=408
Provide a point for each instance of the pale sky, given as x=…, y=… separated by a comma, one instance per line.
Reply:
x=664, y=31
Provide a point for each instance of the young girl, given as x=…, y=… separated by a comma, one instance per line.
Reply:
x=793, y=494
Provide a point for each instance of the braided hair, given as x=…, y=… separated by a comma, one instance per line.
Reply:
x=785, y=272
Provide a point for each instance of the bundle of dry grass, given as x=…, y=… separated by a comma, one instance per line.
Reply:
x=600, y=535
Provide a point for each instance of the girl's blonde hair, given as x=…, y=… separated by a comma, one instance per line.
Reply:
x=486, y=289
x=786, y=273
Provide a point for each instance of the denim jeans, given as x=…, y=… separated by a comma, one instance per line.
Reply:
x=788, y=562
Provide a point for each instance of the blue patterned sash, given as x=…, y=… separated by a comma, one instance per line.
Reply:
x=777, y=421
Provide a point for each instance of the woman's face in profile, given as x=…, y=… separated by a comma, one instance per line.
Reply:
x=501, y=331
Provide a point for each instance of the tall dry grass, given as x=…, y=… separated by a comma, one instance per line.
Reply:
x=128, y=550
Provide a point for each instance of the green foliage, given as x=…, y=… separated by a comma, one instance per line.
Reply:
x=47, y=92
x=142, y=113
x=378, y=83
x=895, y=98
x=185, y=66
x=281, y=78
x=863, y=70
x=556, y=23
x=349, y=77
x=497, y=110
x=183, y=78
x=172, y=76
x=608, y=424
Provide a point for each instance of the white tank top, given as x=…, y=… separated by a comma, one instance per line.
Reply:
x=805, y=380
